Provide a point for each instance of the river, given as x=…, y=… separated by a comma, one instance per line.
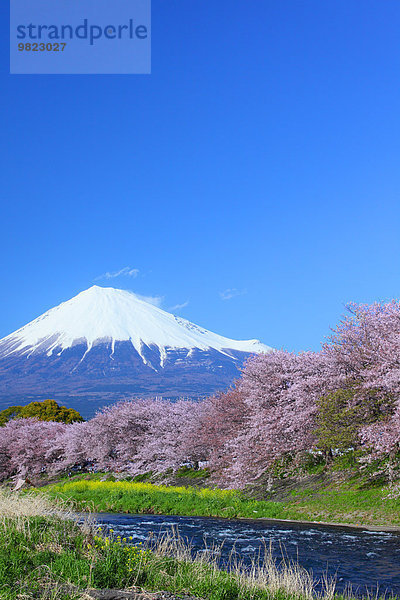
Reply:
x=366, y=559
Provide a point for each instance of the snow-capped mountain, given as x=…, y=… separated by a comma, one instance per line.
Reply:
x=105, y=344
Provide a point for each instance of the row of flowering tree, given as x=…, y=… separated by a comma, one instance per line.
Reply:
x=285, y=404
x=132, y=436
x=345, y=397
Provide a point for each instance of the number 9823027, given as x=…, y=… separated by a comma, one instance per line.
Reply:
x=42, y=47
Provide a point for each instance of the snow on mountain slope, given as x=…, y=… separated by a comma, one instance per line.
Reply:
x=102, y=314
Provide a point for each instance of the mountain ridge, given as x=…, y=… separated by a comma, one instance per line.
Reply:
x=100, y=313
x=107, y=344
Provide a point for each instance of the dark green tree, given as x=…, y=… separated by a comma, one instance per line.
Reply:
x=9, y=413
x=48, y=410
x=341, y=415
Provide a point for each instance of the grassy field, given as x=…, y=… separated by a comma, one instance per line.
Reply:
x=142, y=497
x=44, y=553
x=349, y=503
x=40, y=548
x=342, y=503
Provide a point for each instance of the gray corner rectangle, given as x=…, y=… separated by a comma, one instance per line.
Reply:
x=80, y=36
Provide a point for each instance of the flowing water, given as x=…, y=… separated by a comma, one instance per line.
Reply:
x=366, y=559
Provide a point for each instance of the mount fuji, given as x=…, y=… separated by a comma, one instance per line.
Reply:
x=107, y=344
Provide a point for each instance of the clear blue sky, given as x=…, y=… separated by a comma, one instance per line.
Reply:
x=262, y=155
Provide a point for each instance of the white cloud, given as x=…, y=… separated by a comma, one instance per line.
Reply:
x=231, y=293
x=154, y=300
x=125, y=272
x=179, y=306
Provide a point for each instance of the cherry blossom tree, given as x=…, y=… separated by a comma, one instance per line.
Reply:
x=222, y=418
x=383, y=437
x=366, y=346
x=280, y=391
x=135, y=436
x=71, y=447
x=169, y=439
x=26, y=446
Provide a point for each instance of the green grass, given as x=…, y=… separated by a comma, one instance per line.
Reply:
x=140, y=497
x=42, y=554
x=350, y=503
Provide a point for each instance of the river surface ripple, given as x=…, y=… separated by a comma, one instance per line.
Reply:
x=366, y=559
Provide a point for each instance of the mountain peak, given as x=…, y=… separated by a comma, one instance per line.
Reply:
x=101, y=314
x=105, y=344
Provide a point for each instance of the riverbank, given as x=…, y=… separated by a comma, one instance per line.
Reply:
x=336, y=504
x=46, y=553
